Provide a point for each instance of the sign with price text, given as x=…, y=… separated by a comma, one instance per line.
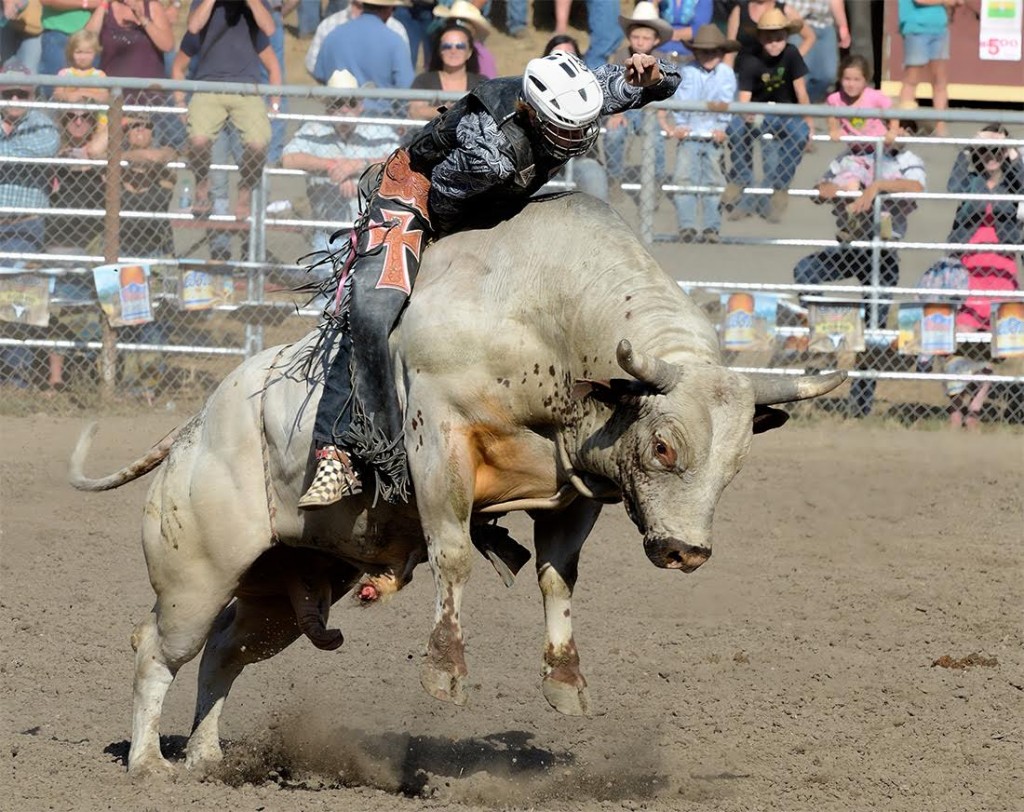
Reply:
x=1001, y=31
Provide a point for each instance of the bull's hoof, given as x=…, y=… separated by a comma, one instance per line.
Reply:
x=201, y=757
x=443, y=685
x=156, y=768
x=565, y=698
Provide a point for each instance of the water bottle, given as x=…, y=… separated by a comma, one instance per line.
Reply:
x=185, y=200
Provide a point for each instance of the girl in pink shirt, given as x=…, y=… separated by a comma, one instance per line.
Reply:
x=854, y=91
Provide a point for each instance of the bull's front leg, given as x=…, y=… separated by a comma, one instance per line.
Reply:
x=443, y=477
x=558, y=538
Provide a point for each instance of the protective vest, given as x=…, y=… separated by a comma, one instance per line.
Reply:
x=498, y=97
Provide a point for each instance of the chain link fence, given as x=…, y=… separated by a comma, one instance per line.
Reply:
x=152, y=237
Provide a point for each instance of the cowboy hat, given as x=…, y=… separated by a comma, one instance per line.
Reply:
x=646, y=14
x=468, y=13
x=389, y=3
x=710, y=38
x=776, y=20
x=343, y=80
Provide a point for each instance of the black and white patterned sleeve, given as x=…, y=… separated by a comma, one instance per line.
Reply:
x=619, y=95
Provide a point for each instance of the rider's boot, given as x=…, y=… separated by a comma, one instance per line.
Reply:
x=335, y=479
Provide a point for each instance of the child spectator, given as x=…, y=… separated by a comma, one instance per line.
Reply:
x=644, y=30
x=776, y=75
x=854, y=91
x=82, y=51
x=743, y=25
x=924, y=26
x=701, y=134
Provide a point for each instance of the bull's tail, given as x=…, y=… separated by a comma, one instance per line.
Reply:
x=141, y=466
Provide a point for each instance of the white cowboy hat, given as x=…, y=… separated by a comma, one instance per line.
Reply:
x=343, y=80
x=646, y=14
x=470, y=14
x=387, y=2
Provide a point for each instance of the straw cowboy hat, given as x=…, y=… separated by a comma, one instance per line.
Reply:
x=646, y=14
x=468, y=13
x=389, y=3
x=775, y=20
x=710, y=38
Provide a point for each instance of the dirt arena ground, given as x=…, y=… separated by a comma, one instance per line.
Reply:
x=794, y=671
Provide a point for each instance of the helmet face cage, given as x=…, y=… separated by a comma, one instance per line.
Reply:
x=567, y=99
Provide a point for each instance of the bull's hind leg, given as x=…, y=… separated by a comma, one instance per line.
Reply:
x=558, y=538
x=251, y=629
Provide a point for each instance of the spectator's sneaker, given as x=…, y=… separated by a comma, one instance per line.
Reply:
x=710, y=235
x=732, y=194
x=687, y=235
x=777, y=205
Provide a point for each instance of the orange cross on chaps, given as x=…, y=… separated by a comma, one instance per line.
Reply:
x=400, y=231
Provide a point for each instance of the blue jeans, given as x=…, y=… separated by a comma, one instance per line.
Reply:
x=780, y=157
x=26, y=50
x=842, y=262
x=227, y=148
x=53, y=57
x=277, y=126
x=605, y=34
x=417, y=21
x=698, y=163
x=822, y=62
x=515, y=16
x=589, y=176
x=309, y=17
x=615, y=146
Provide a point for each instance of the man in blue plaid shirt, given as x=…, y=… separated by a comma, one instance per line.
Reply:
x=24, y=133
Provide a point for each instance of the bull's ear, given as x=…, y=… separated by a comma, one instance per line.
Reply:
x=612, y=392
x=766, y=418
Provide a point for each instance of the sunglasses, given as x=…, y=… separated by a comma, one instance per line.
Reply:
x=136, y=125
x=70, y=117
x=454, y=46
x=14, y=93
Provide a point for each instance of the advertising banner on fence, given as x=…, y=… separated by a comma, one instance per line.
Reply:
x=1007, y=329
x=750, y=321
x=201, y=290
x=25, y=299
x=927, y=328
x=836, y=325
x=1001, y=30
x=123, y=291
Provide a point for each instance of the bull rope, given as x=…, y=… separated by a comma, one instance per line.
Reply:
x=265, y=449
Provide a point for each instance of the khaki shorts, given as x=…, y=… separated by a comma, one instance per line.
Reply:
x=207, y=113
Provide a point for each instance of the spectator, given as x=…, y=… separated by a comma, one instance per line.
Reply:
x=78, y=186
x=61, y=19
x=134, y=36
x=335, y=155
x=309, y=16
x=924, y=26
x=354, y=9
x=147, y=185
x=515, y=17
x=685, y=17
x=24, y=133
x=367, y=49
x=83, y=48
x=982, y=170
x=744, y=26
x=644, y=31
x=586, y=172
x=701, y=135
x=776, y=76
x=827, y=19
x=481, y=29
x=603, y=28
x=20, y=30
x=453, y=67
x=416, y=16
x=854, y=91
x=231, y=43
x=900, y=171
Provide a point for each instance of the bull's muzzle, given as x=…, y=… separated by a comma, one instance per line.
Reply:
x=672, y=554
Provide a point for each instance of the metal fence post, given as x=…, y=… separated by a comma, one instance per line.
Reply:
x=650, y=183
x=257, y=253
x=111, y=237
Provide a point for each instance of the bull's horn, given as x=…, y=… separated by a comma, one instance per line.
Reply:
x=773, y=388
x=646, y=368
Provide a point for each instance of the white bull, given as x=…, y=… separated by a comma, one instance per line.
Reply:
x=505, y=362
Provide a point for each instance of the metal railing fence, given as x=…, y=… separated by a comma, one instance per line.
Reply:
x=93, y=215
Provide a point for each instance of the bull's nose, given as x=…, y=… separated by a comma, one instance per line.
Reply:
x=673, y=554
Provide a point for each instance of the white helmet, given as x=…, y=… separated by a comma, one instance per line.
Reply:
x=567, y=100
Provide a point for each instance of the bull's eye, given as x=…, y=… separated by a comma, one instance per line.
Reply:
x=665, y=453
